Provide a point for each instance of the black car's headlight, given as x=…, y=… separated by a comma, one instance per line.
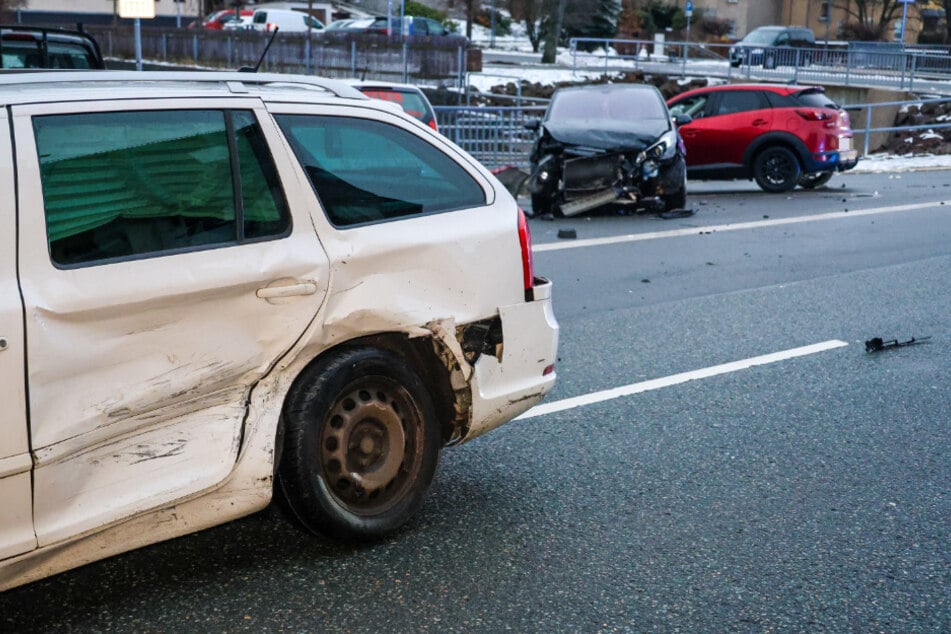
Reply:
x=663, y=150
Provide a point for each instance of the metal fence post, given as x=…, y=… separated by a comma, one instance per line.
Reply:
x=848, y=65
x=230, y=50
x=307, y=55
x=405, y=61
x=868, y=127
x=462, y=64
x=795, y=78
x=164, y=47
x=195, y=46
x=914, y=71
x=353, y=59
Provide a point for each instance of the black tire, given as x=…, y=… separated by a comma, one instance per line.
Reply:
x=545, y=204
x=776, y=169
x=814, y=180
x=675, y=186
x=361, y=444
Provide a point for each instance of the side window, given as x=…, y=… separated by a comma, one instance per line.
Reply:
x=693, y=106
x=131, y=184
x=367, y=171
x=735, y=101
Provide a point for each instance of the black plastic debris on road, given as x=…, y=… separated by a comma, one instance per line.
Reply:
x=877, y=344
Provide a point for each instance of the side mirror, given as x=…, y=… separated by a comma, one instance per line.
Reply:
x=533, y=125
x=682, y=119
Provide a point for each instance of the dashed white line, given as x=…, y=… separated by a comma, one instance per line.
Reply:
x=674, y=233
x=676, y=379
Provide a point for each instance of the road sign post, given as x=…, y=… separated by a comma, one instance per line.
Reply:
x=137, y=9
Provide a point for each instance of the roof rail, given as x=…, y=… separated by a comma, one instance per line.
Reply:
x=233, y=79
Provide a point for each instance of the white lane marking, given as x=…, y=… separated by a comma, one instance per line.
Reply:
x=674, y=233
x=676, y=379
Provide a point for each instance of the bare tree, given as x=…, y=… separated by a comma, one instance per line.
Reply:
x=875, y=13
x=530, y=13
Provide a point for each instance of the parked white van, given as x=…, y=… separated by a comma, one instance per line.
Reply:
x=215, y=287
x=287, y=20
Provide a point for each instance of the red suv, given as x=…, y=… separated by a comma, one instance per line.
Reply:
x=780, y=135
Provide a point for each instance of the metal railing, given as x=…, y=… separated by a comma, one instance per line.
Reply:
x=869, y=108
x=430, y=60
x=497, y=136
x=878, y=64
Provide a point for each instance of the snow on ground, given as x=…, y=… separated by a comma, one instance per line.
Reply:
x=882, y=163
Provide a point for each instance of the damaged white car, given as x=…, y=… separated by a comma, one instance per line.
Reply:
x=216, y=286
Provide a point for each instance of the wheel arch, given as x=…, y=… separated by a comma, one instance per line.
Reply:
x=431, y=357
x=772, y=139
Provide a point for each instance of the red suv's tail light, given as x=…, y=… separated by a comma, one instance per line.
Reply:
x=525, y=241
x=814, y=115
x=432, y=124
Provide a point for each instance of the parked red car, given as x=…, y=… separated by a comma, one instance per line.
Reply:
x=217, y=20
x=779, y=135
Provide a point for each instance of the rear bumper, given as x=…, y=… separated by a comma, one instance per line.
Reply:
x=504, y=388
x=832, y=161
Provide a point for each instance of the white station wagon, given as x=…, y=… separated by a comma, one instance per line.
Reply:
x=215, y=286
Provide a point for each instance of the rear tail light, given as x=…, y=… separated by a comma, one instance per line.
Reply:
x=432, y=124
x=525, y=241
x=814, y=115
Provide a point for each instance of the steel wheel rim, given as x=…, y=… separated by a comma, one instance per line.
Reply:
x=370, y=445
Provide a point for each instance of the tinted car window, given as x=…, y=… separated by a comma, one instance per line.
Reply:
x=124, y=184
x=367, y=171
x=734, y=101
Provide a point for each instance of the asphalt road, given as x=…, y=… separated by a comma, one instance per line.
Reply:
x=809, y=493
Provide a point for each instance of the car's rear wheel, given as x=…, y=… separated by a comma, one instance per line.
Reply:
x=776, y=169
x=814, y=180
x=361, y=444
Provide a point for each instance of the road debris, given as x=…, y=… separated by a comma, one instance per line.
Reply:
x=877, y=344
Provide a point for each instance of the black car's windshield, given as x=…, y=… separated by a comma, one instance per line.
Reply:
x=764, y=37
x=606, y=104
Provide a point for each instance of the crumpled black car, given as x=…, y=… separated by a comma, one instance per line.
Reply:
x=607, y=144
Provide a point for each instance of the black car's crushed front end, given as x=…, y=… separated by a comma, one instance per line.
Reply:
x=566, y=179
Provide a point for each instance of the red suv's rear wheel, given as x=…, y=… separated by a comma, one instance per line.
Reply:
x=776, y=169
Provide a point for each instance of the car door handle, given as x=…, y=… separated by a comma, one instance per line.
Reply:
x=687, y=132
x=287, y=290
x=759, y=122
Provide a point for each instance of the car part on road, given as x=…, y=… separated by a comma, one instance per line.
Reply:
x=877, y=344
